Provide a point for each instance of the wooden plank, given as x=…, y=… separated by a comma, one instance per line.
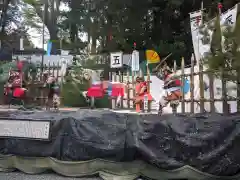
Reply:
x=174, y=109
x=128, y=91
x=131, y=99
x=201, y=86
x=182, y=79
x=133, y=86
x=192, y=85
x=224, y=93
x=114, y=78
x=238, y=91
x=211, y=91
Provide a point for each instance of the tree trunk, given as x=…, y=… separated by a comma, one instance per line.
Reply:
x=4, y=15
x=73, y=25
x=50, y=20
x=94, y=38
x=55, y=41
x=93, y=45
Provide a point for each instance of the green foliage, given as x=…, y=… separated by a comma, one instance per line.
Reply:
x=72, y=96
x=216, y=59
x=75, y=85
x=160, y=25
x=225, y=55
x=31, y=17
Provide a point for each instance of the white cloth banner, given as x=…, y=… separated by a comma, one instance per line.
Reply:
x=135, y=61
x=194, y=17
x=227, y=19
x=200, y=49
x=204, y=49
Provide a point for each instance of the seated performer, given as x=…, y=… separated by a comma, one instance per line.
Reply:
x=172, y=88
x=141, y=90
x=53, y=92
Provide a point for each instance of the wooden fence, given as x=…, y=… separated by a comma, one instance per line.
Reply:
x=206, y=99
x=214, y=93
x=37, y=92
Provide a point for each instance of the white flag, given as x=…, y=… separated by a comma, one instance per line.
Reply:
x=135, y=61
x=200, y=48
x=195, y=21
x=227, y=19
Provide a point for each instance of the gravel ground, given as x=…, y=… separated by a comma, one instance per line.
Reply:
x=50, y=176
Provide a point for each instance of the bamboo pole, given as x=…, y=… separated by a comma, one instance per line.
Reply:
x=224, y=82
x=192, y=85
x=211, y=85
x=148, y=87
x=182, y=79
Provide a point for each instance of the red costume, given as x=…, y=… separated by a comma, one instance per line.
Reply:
x=139, y=94
x=174, y=83
x=98, y=89
x=14, y=84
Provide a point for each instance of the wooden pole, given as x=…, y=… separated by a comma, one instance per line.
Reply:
x=148, y=86
x=224, y=82
x=162, y=61
x=192, y=85
x=182, y=79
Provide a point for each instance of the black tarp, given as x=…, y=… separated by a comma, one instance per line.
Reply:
x=207, y=142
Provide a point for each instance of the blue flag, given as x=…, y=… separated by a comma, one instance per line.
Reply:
x=49, y=48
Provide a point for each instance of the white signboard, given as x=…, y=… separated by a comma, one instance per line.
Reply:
x=38, y=130
x=135, y=60
x=116, y=60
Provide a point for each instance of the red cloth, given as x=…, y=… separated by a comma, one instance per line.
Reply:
x=117, y=90
x=141, y=97
x=95, y=91
x=139, y=86
x=178, y=82
x=19, y=92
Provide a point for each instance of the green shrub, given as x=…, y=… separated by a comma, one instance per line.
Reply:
x=72, y=96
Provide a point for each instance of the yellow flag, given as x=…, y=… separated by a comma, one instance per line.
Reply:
x=152, y=57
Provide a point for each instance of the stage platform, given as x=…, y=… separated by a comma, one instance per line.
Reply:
x=121, y=145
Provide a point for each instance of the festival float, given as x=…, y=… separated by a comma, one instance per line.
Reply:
x=191, y=143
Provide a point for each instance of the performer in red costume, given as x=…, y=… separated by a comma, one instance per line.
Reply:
x=141, y=90
x=14, y=88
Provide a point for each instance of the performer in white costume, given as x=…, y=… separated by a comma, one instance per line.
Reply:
x=172, y=87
